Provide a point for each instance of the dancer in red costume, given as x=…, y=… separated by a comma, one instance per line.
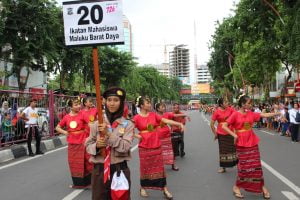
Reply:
x=75, y=129
x=227, y=151
x=250, y=174
x=165, y=135
x=152, y=172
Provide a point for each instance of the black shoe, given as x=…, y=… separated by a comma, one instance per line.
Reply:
x=175, y=168
x=39, y=153
x=182, y=154
x=31, y=154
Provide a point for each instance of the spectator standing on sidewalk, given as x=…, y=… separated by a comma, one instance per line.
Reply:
x=7, y=127
x=5, y=108
x=285, y=122
x=30, y=115
x=257, y=110
x=294, y=126
x=20, y=131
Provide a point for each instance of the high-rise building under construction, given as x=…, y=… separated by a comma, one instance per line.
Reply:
x=179, y=60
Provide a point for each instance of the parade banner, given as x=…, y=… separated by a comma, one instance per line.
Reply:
x=92, y=23
x=200, y=88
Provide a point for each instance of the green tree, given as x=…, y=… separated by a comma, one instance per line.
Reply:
x=221, y=62
x=294, y=44
x=147, y=81
x=115, y=65
x=257, y=52
x=27, y=34
x=75, y=68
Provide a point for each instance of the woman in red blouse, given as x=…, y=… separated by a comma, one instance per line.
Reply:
x=152, y=172
x=227, y=151
x=75, y=129
x=165, y=135
x=250, y=174
x=89, y=112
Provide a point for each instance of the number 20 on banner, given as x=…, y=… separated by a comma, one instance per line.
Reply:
x=93, y=23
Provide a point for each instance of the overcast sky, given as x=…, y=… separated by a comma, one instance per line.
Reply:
x=159, y=22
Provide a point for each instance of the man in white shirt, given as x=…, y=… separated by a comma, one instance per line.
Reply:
x=30, y=115
x=293, y=124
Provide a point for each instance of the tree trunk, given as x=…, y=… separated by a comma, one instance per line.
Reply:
x=61, y=83
x=21, y=84
x=267, y=91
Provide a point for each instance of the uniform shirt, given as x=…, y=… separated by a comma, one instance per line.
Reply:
x=240, y=121
x=32, y=115
x=220, y=116
x=75, y=125
x=147, y=127
x=120, y=141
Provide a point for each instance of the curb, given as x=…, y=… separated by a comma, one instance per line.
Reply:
x=21, y=150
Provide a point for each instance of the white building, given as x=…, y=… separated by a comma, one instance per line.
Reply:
x=164, y=69
x=203, y=74
x=36, y=79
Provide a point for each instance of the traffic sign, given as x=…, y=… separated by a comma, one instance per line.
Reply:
x=91, y=23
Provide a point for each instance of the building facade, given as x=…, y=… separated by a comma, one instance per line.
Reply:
x=36, y=79
x=127, y=47
x=203, y=74
x=164, y=69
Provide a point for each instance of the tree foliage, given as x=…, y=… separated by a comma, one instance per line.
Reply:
x=147, y=81
x=261, y=37
x=32, y=33
x=28, y=29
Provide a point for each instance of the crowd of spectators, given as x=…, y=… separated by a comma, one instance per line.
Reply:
x=12, y=125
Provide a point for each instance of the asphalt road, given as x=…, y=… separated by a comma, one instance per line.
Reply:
x=47, y=177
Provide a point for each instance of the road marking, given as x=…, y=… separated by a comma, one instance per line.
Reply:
x=206, y=120
x=267, y=132
x=281, y=177
x=73, y=194
x=134, y=148
x=31, y=158
x=289, y=195
x=76, y=192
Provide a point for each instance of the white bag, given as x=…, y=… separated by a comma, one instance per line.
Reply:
x=119, y=187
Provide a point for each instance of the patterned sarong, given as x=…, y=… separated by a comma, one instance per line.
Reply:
x=152, y=172
x=250, y=174
x=227, y=151
x=79, y=165
x=167, y=151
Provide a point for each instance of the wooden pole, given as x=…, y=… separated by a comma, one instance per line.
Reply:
x=98, y=91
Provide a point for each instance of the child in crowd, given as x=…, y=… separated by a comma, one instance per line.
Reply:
x=7, y=127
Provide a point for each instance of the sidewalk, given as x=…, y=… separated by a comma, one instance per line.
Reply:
x=21, y=150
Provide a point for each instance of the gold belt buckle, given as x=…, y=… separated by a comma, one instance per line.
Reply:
x=247, y=126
